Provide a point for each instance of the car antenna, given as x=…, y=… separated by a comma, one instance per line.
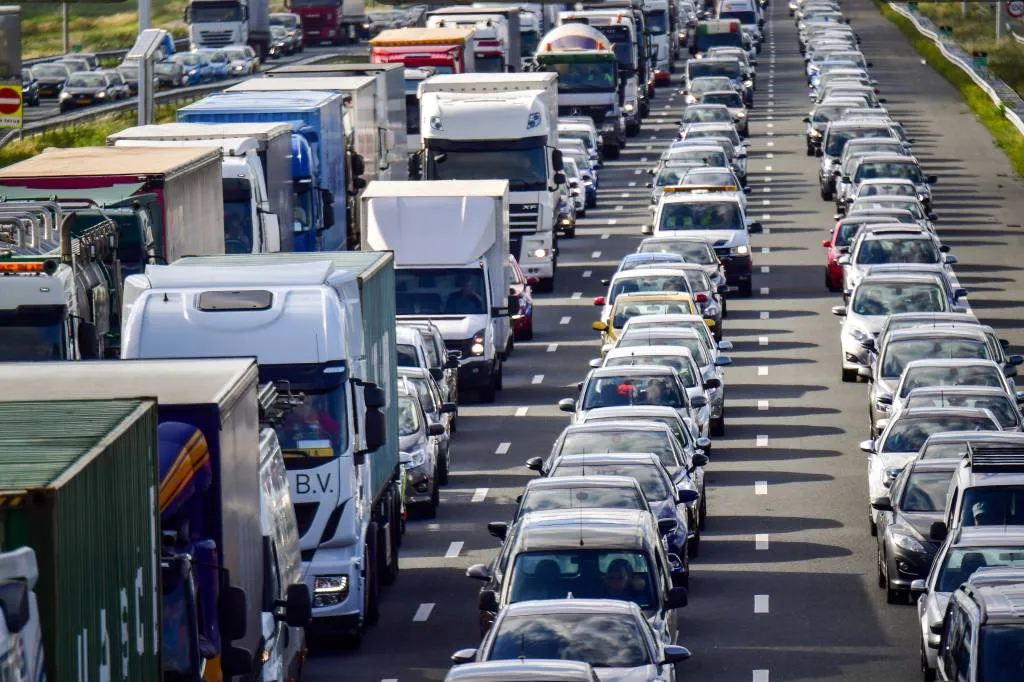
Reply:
x=581, y=525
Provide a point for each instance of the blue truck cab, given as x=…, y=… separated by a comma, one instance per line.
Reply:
x=320, y=116
x=309, y=204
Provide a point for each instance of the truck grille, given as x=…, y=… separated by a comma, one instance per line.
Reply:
x=461, y=345
x=305, y=512
x=215, y=38
x=523, y=217
x=722, y=251
x=597, y=113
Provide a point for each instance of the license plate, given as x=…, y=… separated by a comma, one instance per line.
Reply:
x=84, y=100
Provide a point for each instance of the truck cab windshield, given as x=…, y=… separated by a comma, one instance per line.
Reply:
x=440, y=291
x=304, y=195
x=207, y=13
x=317, y=428
x=237, y=216
x=489, y=63
x=32, y=337
x=523, y=165
x=657, y=22
x=578, y=76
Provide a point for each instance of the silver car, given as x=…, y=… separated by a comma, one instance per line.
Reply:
x=420, y=383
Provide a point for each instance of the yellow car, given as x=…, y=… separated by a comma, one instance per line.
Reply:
x=632, y=305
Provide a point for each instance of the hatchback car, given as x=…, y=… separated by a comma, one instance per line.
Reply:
x=86, y=88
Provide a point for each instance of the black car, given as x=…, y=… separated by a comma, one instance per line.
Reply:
x=280, y=43
x=118, y=82
x=29, y=89
x=917, y=499
x=86, y=88
x=130, y=74
x=50, y=78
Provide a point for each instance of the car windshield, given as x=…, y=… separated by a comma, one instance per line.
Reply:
x=580, y=134
x=837, y=139
x=603, y=641
x=891, y=299
x=848, y=229
x=903, y=351
x=584, y=574
x=898, y=189
x=898, y=250
x=581, y=497
x=699, y=86
x=1000, y=405
x=925, y=491
x=701, y=69
x=646, y=337
x=640, y=284
x=697, y=157
x=993, y=506
x=889, y=169
x=1002, y=653
x=87, y=80
x=701, y=215
x=961, y=563
x=187, y=59
x=407, y=356
x=408, y=415
x=625, y=310
x=705, y=177
x=651, y=479
x=670, y=176
x=440, y=291
x=525, y=168
x=128, y=71
x=594, y=442
x=909, y=434
x=617, y=391
x=657, y=22
x=729, y=99
x=925, y=377
x=728, y=134
x=421, y=387
x=691, y=251
x=706, y=115
x=49, y=71
x=683, y=368
x=582, y=77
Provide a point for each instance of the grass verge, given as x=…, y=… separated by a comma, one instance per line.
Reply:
x=1006, y=136
x=91, y=134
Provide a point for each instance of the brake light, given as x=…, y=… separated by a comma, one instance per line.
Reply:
x=702, y=297
x=599, y=300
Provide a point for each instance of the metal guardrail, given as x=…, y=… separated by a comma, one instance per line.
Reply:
x=1001, y=94
x=179, y=44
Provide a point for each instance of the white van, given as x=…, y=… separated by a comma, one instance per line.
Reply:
x=284, y=639
x=748, y=12
x=21, y=638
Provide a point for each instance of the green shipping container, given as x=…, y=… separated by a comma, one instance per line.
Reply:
x=79, y=485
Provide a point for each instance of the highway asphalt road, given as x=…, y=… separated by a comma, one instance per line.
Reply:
x=785, y=587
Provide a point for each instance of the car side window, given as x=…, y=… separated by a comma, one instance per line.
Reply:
x=952, y=630
x=963, y=651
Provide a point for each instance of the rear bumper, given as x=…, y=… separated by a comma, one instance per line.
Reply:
x=475, y=374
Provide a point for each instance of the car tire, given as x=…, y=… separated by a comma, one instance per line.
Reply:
x=582, y=213
x=746, y=289
x=435, y=499
x=569, y=233
x=725, y=308
x=442, y=472
x=632, y=130
x=927, y=674
x=612, y=152
x=879, y=570
x=826, y=194
x=717, y=428
x=703, y=512
x=849, y=376
x=828, y=283
x=872, y=527
x=810, y=150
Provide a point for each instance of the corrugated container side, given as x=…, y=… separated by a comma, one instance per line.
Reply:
x=94, y=533
x=280, y=186
x=395, y=93
x=194, y=212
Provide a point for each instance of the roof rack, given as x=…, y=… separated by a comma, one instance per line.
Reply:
x=995, y=458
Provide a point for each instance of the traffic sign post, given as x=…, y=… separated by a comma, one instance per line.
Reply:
x=11, y=112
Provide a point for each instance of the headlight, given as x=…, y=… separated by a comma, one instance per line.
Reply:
x=628, y=107
x=193, y=72
x=100, y=94
x=690, y=99
x=417, y=457
x=748, y=83
x=858, y=333
x=741, y=114
x=814, y=133
x=908, y=543
x=329, y=590
x=540, y=253
x=65, y=95
x=478, y=342
x=742, y=250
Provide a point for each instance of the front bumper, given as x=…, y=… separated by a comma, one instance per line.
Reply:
x=344, y=615
x=475, y=374
x=419, y=485
x=855, y=355
x=737, y=268
x=905, y=567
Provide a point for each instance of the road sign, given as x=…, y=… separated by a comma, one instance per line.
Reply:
x=10, y=106
x=1015, y=8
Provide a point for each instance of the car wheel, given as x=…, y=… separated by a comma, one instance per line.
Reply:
x=611, y=152
x=828, y=283
x=693, y=546
x=703, y=512
x=371, y=590
x=718, y=427
x=849, y=376
x=927, y=674
x=725, y=309
x=569, y=233
x=435, y=499
x=871, y=525
x=442, y=474
x=826, y=194
x=581, y=213
x=746, y=289
x=810, y=150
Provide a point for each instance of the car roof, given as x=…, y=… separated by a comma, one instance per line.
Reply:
x=667, y=332
x=632, y=370
x=593, y=528
x=670, y=317
x=900, y=278
x=988, y=535
x=548, y=606
x=1015, y=437
x=653, y=296
x=927, y=412
x=686, y=198
x=631, y=414
x=710, y=169
x=601, y=481
x=949, y=362
x=931, y=332
x=645, y=351
x=645, y=272
x=720, y=92
x=886, y=181
x=667, y=239
x=957, y=390
x=886, y=157
x=414, y=372
x=620, y=425
x=703, y=105
x=966, y=318
x=521, y=670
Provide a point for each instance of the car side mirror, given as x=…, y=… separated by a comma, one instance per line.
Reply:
x=725, y=345
x=1015, y=360
x=666, y=526
x=959, y=293
x=436, y=373
x=296, y=609
x=535, y=464
x=488, y=601
x=723, y=361
x=676, y=598
x=647, y=229
x=712, y=383
x=698, y=401
x=933, y=217
x=595, y=363
x=649, y=184
x=843, y=260
x=755, y=228
x=700, y=460
x=235, y=660
x=884, y=398
x=938, y=531
x=918, y=587
x=868, y=344
x=945, y=248
x=449, y=408
x=479, y=572
x=560, y=178
x=599, y=326
x=747, y=189
x=881, y=504
x=463, y=656
x=865, y=373
x=498, y=529
x=687, y=495
x=435, y=430
x=932, y=179
x=723, y=289
x=867, y=446
x=806, y=119
x=1009, y=371
x=950, y=259
x=839, y=310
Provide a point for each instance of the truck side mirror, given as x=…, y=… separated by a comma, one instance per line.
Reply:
x=296, y=609
x=556, y=161
x=14, y=600
x=327, y=198
x=376, y=426
x=88, y=343
x=231, y=610
x=415, y=166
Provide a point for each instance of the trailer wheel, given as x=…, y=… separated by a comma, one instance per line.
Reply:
x=371, y=587
x=388, y=569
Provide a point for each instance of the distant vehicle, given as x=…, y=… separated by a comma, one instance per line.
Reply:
x=292, y=23
x=29, y=88
x=51, y=78
x=219, y=63
x=87, y=88
x=130, y=75
x=196, y=67
x=171, y=74
x=75, y=64
x=118, y=83
x=242, y=60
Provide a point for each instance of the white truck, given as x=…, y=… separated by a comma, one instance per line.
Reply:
x=256, y=173
x=322, y=329
x=497, y=26
x=220, y=23
x=450, y=240
x=503, y=127
x=21, y=637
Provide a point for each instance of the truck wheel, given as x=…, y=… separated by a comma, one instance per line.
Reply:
x=611, y=151
x=633, y=129
x=371, y=588
x=488, y=394
x=388, y=569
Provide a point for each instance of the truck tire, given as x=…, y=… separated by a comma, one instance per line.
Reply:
x=371, y=589
x=488, y=394
x=388, y=569
x=611, y=151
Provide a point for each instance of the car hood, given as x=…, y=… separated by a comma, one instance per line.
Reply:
x=884, y=386
x=869, y=323
x=896, y=460
x=408, y=443
x=83, y=90
x=721, y=238
x=921, y=523
x=640, y=674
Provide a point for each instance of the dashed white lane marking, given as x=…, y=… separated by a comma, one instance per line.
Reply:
x=761, y=542
x=767, y=178
x=481, y=493
x=762, y=441
x=762, y=340
x=606, y=236
x=502, y=448
x=765, y=315
x=766, y=249
x=586, y=274
x=766, y=202
x=389, y=679
x=655, y=137
x=576, y=295
x=637, y=172
x=625, y=195
x=537, y=379
x=643, y=159
x=596, y=254
x=522, y=411
x=765, y=269
x=632, y=183
x=762, y=371
x=769, y=125
x=565, y=320
x=552, y=347
x=423, y=613
x=760, y=676
x=767, y=190
x=433, y=527
x=768, y=168
x=763, y=405
x=454, y=550
x=760, y=487
x=769, y=155
x=766, y=216
x=769, y=144
x=760, y=603
x=764, y=291
x=619, y=207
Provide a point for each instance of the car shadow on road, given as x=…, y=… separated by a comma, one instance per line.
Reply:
x=737, y=525
x=743, y=479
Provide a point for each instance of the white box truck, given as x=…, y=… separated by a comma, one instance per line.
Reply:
x=450, y=240
x=502, y=127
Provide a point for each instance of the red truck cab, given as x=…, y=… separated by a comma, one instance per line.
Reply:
x=446, y=50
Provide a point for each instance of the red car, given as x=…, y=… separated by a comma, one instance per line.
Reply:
x=519, y=287
x=842, y=237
